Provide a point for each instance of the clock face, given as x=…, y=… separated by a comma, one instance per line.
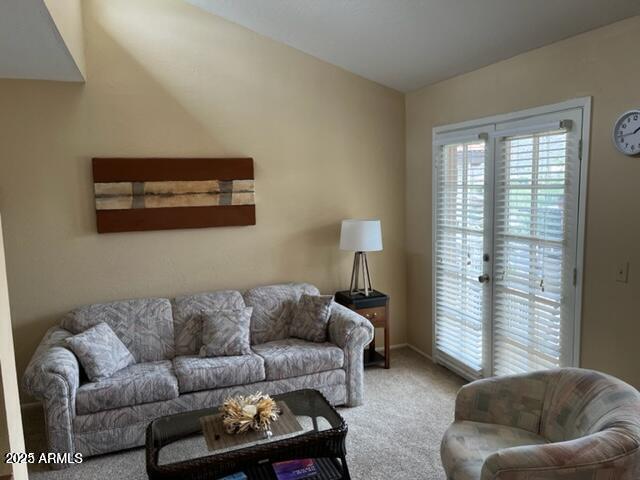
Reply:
x=626, y=133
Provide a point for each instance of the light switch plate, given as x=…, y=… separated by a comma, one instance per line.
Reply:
x=622, y=272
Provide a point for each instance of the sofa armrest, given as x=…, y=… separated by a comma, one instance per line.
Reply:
x=52, y=362
x=513, y=401
x=613, y=451
x=351, y=332
x=53, y=376
x=348, y=329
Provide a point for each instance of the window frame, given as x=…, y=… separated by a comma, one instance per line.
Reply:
x=442, y=134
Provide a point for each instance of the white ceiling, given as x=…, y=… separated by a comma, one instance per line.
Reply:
x=407, y=44
x=30, y=44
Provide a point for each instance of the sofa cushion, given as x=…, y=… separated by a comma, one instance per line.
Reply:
x=144, y=325
x=134, y=385
x=100, y=352
x=226, y=333
x=273, y=308
x=466, y=445
x=197, y=373
x=294, y=357
x=311, y=318
x=188, y=313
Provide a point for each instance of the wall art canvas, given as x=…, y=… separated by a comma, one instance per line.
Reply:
x=134, y=194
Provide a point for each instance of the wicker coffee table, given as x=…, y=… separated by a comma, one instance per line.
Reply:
x=176, y=447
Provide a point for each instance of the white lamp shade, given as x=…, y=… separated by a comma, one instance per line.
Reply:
x=361, y=235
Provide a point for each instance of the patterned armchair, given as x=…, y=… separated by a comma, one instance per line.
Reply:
x=565, y=424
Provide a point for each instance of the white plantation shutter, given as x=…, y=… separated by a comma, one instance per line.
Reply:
x=506, y=223
x=536, y=213
x=460, y=242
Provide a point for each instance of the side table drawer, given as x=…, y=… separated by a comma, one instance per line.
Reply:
x=376, y=315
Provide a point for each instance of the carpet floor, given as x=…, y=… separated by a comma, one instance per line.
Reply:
x=395, y=435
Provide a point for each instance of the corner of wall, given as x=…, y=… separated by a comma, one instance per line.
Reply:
x=67, y=19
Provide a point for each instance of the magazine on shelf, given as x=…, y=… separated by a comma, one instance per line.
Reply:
x=296, y=469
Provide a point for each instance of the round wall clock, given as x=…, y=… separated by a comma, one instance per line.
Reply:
x=626, y=133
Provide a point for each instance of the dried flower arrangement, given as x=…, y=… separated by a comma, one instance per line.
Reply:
x=255, y=412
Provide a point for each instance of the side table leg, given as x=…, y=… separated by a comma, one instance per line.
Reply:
x=387, y=346
x=372, y=346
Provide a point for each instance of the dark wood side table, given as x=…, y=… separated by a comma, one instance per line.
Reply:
x=375, y=308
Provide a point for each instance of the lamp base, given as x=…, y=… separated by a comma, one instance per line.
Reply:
x=360, y=266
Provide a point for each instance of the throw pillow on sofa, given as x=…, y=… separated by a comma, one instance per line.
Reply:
x=226, y=333
x=311, y=318
x=100, y=352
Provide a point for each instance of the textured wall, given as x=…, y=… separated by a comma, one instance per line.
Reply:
x=166, y=79
x=597, y=64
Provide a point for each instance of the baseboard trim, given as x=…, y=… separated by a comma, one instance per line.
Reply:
x=393, y=347
x=407, y=345
x=420, y=352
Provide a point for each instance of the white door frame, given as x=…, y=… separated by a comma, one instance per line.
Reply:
x=457, y=130
x=9, y=376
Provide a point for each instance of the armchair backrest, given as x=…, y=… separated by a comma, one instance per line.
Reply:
x=515, y=401
x=581, y=402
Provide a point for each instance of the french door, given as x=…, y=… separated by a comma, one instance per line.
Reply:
x=506, y=230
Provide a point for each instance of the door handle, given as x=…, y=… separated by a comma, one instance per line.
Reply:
x=484, y=278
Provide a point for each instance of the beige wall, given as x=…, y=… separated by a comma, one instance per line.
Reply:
x=166, y=79
x=598, y=64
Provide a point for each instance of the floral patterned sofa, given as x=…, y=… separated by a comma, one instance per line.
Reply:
x=169, y=376
x=565, y=424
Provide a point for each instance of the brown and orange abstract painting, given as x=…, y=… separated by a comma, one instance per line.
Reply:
x=135, y=194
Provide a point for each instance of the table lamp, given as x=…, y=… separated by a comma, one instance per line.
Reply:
x=360, y=236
